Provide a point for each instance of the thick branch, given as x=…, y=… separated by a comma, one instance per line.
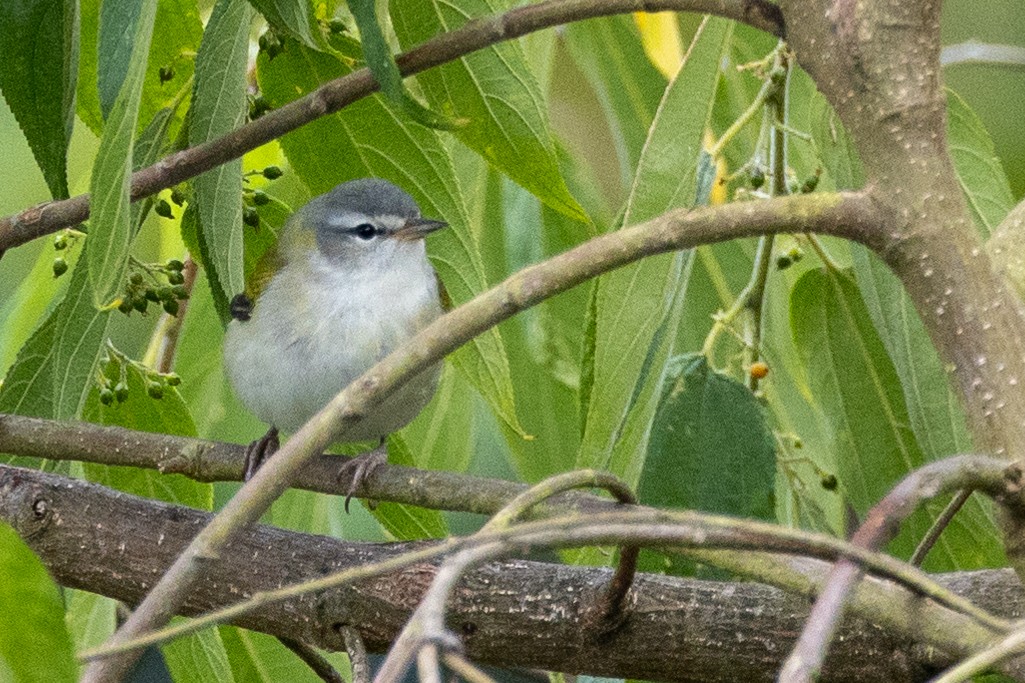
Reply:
x=338, y=94
x=114, y=544
x=882, y=603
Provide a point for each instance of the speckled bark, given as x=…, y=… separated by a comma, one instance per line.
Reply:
x=517, y=613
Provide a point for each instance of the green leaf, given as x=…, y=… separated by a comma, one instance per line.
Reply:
x=38, y=67
x=370, y=139
x=854, y=379
x=381, y=63
x=34, y=642
x=609, y=53
x=199, y=657
x=176, y=36
x=638, y=306
x=496, y=91
x=54, y=369
x=111, y=229
x=710, y=446
x=982, y=178
x=259, y=658
x=219, y=107
x=836, y=150
x=118, y=19
x=294, y=17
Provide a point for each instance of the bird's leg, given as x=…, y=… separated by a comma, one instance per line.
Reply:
x=360, y=468
x=259, y=451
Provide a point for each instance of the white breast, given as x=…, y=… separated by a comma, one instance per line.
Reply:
x=298, y=349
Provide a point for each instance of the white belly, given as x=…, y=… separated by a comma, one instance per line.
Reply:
x=297, y=352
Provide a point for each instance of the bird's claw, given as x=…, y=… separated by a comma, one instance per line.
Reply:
x=259, y=452
x=360, y=468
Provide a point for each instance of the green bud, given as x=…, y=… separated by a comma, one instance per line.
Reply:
x=273, y=172
x=135, y=278
x=171, y=306
x=250, y=217
x=260, y=198
x=177, y=196
x=172, y=379
x=165, y=73
x=162, y=208
x=60, y=241
x=175, y=264
x=60, y=266
x=784, y=262
x=155, y=390
x=121, y=392
x=106, y=396
x=829, y=482
x=337, y=26
x=180, y=292
x=258, y=107
x=175, y=278
x=810, y=183
x=757, y=176
x=795, y=254
x=125, y=306
x=165, y=293
x=139, y=303
x=151, y=295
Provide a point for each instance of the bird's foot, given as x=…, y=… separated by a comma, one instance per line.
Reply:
x=260, y=451
x=360, y=468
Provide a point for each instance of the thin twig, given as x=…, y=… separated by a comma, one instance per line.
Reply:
x=466, y=669
x=941, y=523
x=313, y=659
x=338, y=94
x=358, y=660
x=981, y=662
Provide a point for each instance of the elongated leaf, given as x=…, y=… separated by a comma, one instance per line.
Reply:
x=369, y=139
x=54, y=369
x=381, y=63
x=637, y=306
x=609, y=53
x=858, y=386
x=219, y=107
x=982, y=178
x=38, y=68
x=176, y=36
x=34, y=643
x=259, y=658
x=294, y=17
x=198, y=658
x=119, y=19
x=495, y=89
x=111, y=229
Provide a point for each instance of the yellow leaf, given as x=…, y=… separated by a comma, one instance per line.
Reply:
x=660, y=36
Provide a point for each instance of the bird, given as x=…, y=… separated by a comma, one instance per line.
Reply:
x=346, y=284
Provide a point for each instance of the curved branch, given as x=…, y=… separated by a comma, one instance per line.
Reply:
x=334, y=96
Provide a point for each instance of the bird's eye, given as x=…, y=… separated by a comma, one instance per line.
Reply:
x=365, y=231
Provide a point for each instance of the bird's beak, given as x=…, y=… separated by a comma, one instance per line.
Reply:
x=418, y=228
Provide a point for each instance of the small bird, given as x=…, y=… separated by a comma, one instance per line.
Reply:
x=348, y=282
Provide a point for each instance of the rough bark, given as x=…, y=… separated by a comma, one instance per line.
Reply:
x=514, y=613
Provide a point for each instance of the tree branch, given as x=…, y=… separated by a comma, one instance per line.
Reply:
x=120, y=542
x=338, y=94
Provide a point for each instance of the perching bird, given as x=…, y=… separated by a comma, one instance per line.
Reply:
x=348, y=282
